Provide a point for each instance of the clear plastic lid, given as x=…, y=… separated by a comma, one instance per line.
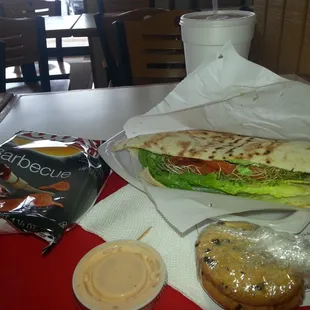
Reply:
x=123, y=275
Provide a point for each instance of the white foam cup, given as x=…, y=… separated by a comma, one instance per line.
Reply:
x=203, y=35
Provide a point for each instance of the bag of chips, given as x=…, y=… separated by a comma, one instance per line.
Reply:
x=48, y=182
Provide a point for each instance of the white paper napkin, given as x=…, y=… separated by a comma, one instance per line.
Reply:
x=128, y=213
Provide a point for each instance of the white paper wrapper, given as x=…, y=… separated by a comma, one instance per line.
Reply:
x=231, y=95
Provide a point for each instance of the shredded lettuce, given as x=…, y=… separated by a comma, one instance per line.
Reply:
x=242, y=170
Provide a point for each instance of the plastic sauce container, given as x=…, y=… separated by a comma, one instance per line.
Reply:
x=119, y=275
x=203, y=35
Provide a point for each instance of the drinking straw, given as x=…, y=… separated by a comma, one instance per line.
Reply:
x=215, y=7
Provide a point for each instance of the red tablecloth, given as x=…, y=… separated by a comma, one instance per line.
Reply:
x=30, y=281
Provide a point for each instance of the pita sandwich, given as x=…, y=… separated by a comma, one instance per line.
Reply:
x=201, y=160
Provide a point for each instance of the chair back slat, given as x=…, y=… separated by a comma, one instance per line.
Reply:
x=15, y=53
x=162, y=75
x=163, y=58
x=155, y=49
x=158, y=43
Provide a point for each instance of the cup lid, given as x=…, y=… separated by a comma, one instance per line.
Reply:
x=123, y=275
x=224, y=18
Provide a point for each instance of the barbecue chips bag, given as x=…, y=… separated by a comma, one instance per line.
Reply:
x=47, y=182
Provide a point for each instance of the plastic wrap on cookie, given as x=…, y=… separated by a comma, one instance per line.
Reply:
x=252, y=265
x=287, y=249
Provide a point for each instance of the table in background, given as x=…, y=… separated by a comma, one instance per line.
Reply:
x=60, y=26
x=80, y=26
x=86, y=26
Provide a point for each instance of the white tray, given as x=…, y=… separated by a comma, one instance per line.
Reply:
x=290, y=221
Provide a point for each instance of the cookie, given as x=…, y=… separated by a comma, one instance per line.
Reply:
x=247, y=277
x=230, y=304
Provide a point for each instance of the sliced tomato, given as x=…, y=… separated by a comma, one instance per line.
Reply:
x=223, y=166
x=209, y=166
x=204, y=167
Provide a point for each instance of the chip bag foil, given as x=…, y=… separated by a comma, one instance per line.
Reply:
x=47, y=182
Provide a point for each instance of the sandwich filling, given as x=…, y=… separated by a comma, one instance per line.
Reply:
x=241, y=178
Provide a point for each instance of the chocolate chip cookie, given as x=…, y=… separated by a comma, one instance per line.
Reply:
x=248, y=277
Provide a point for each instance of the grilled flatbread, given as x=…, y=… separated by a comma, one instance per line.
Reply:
x=210, y=145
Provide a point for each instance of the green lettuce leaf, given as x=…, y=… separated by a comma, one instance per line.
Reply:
x=294, y=191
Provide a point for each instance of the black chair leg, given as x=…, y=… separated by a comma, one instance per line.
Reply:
x=60, y=57
x=29, y=73
x=43, y=62
x=100, y=6
x=44, y=76
x=45, y=85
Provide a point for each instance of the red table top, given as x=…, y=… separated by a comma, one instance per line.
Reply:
x=31, y=281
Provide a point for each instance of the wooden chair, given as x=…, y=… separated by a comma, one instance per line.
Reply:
x=151, y=51
x=25, y=43
x=32, y=8
x=118, y=6
x=106, y=31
